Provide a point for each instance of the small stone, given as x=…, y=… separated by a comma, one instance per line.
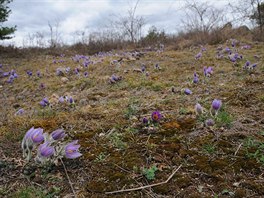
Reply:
x=20, y=97
x=64, y=79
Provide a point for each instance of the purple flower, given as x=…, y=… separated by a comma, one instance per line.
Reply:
x=86, y=74
x=37, y=135
x=157, y=66
x=20, y=112
x=86, y=63
x=247, y=64
x=68, y=69
x=113, y=79
x=29, y=133
x=71, y=150
x=61, y=99
x=216, y=104
x=44, y=102
x=195, y=79
x=143, y=68
x=38, y=74
x=233, y=59
x=76, y=70
x=58, y=134
x=208, y=71
x=198, y=56
x=246, y=47
x=253, y=65
x=10, y=79
x=44, y=150
x=41, y=86
x=71, y=101
x=187, y=91
x=59, y=72
x=156, y=116
x=198, y=109
x=15, y=75
x=29, y=73
x=5, y=74
x=209, y=122
x=12, y=72
x=227, y=50
x=145, y=120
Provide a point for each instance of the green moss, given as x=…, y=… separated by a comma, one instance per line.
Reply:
x=117, y=176
x=240, y=193
x=219, y=164
x=183, y=181
x=254, y=186
x=97, y=186
x=162, y=189
x=202, y=163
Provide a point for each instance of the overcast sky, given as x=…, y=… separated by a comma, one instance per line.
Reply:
x=31, y=16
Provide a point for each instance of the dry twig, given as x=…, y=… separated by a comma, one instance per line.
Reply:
x=147, y=186
x=239, y=146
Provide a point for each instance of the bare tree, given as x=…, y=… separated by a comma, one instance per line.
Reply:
x=249, y=10
x=40, y=39
x=55, y=35
x=201, y=16
x=130, y=25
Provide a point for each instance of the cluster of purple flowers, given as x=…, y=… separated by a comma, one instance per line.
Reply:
x=155, y=118
x=208, y=71
x=215, y=107
x=44, y=102
x=29, y=73
x=235, y=57
x=195, y=78
x=50, y=147
x=249, y=66
x=114, y=79
x=11, y=75
x=66, y=99
x=77, y=58
x=59, y=72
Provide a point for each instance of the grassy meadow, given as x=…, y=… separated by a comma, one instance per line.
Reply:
x=112, y=94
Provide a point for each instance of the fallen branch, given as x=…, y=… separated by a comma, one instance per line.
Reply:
x=74, y=194
x=148, y=186
x=239, y=146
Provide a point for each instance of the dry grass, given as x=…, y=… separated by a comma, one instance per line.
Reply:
x=116, y=146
